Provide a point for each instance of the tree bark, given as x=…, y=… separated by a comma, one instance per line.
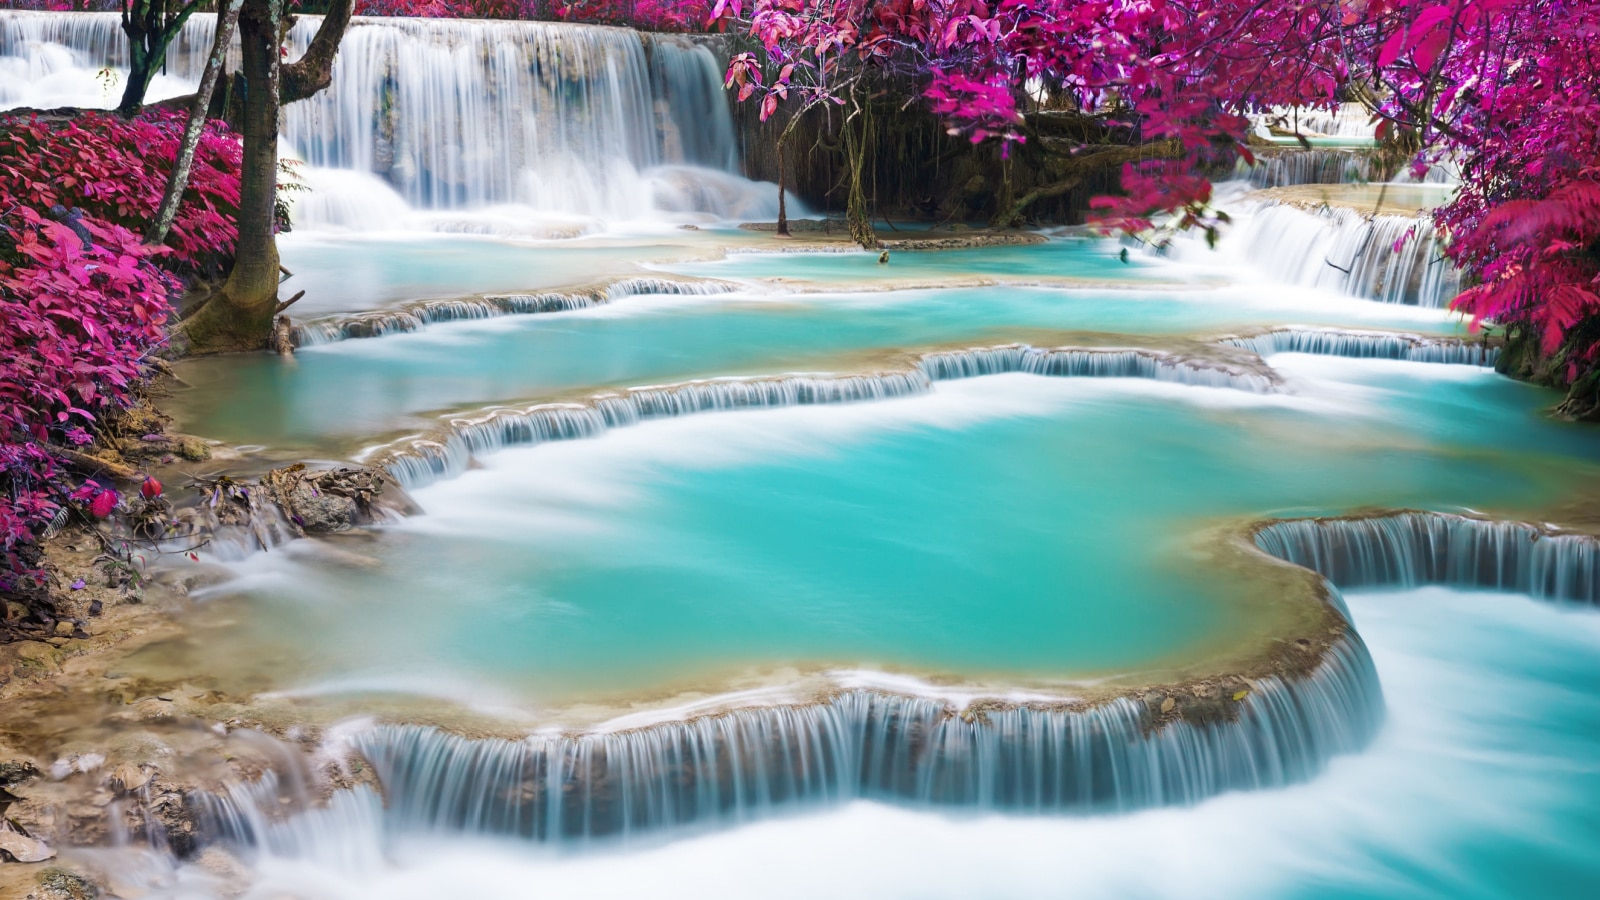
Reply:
x=150, y=26
x=783, y=140
x=856, y=215
x=240, y=316
x=314, y=71
x=178, y=181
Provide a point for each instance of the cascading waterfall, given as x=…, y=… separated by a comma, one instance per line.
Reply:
x=50, y=59
x=560, y=118
x=420, y=461
x=415, y=316
x=1393, y=259
x=1316, y=166
x=448, y=114
x=1409, y=549
x=1369, y=345
x=1347, y=120
x=748, y=763
x=1069, y=362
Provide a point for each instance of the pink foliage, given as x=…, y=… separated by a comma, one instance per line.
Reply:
x=82, y=301
x=1510, y=89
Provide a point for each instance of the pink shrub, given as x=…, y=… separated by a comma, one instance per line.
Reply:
x=82, y=302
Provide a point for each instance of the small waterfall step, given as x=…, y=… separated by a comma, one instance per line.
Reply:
x=411, y=317
x=419, y=461
x=1413, y=548
x=1369, y=345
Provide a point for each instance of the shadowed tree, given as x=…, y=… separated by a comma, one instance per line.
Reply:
x=151, y=26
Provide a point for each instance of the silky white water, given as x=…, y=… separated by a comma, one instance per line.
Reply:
x=513, y=128
x=783, y=572
x=1482, y=785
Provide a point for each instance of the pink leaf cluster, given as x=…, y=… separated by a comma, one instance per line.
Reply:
x=82, y=300
x=1509, y=90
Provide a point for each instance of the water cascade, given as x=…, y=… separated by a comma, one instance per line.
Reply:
x=454, y=115
x=559, y=118
x=744, y=764
x=1393, y=259
x=415, y=316
x=1409, y=549
x=1315, y=166
x=419, y=461
x=1369, y=345
x=1347, y=120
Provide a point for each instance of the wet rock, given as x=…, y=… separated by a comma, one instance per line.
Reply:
x=35, y=657
x=168, y=811
x=61, y=884
x=15, y=771
x=19, y=847
x=130, y=777
x=326, y=501
x=190, y=447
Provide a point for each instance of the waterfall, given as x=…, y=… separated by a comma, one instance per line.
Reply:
x=1394, y=259
x=1408, y=549
x=1317, y=166
x=1071, y=362
x=748, y=763
x=51, y=59
x=1347, y=120
x=560, y=118
x=455, y=114
x=1369, y=345
x=415, y=316
x=419, y=461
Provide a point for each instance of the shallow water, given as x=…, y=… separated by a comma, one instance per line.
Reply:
x=1009, y=536
x=1011, y=528
x=1484, y=784
x=337, y=393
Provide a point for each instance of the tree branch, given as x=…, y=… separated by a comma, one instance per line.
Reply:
x=314, y=71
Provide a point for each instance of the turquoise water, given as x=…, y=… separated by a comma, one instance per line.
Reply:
x=1091, y=260
x=1016, y=532
x=361, y=388
x=345, y=273
x=1483, y=785
x=1010, y=527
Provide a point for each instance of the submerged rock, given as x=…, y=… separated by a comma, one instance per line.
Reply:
x=60, y=884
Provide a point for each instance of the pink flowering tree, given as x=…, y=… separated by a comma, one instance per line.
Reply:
x=1508, y=89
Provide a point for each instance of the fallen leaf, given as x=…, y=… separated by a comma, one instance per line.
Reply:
x=1240, y=695
x=1168, y=704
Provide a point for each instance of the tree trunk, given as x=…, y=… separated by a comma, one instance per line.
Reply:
x=150, y=26
x=240, y=316
x=855, y=149
x=783, y=140
x=178, y=181
x=783, y=209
